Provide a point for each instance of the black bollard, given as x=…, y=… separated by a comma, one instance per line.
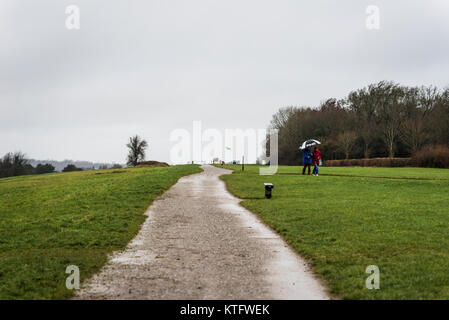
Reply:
x=268, y=188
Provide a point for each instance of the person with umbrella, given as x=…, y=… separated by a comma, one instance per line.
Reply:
x=316, y=157
x=307, y=154
x=306, y=160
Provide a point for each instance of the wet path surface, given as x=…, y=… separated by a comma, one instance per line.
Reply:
x=199, y=243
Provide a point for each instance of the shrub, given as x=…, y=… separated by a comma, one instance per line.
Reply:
x=71, y=167
x=434, y=156
x=44, y=168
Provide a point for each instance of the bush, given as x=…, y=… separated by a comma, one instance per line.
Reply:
x=436, y=156
x=374, y=162
x=71, y=167
x=44, y=168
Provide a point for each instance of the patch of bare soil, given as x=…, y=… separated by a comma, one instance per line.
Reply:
x=152, y=164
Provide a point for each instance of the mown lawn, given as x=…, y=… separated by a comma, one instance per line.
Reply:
x=48, y=222
x=345, y=223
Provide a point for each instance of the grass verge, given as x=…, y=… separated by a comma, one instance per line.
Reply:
x=345, y=223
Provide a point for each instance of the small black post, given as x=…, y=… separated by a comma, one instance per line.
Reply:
x=243, y=163
x=268, y=188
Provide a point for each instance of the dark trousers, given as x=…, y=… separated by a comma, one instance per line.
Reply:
x=304, y=169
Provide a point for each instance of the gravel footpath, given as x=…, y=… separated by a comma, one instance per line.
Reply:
x=199, y=243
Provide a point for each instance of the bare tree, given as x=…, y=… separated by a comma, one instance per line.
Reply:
x=136, y=152
x=281, y=117
x=361, y=103
x=439, y=120
x=388, y=98
x=419, y=103
x=346, y=142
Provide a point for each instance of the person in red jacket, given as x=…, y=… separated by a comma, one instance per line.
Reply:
x=316, y=156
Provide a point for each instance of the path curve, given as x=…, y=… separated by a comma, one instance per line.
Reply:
x=199, y=243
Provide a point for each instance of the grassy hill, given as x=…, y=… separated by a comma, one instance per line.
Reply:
x=48, y=222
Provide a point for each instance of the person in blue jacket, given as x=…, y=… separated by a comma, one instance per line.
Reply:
x=306, y=160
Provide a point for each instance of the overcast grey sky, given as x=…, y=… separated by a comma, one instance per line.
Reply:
x=148, y=67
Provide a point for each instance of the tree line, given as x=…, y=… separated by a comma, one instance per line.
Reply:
x=385, y=119
x=16, y=164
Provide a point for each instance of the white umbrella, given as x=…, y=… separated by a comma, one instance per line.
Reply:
x=309, y=143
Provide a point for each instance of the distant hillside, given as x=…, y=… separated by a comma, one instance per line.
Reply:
x=59, y=165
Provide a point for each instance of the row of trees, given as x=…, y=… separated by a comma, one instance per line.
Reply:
x=381, y=120
x=15, y=164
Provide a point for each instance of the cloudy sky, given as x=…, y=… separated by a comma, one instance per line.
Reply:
x=148, y=67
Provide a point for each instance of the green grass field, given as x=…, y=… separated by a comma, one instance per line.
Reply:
x=349, y=218
x=51, y=221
